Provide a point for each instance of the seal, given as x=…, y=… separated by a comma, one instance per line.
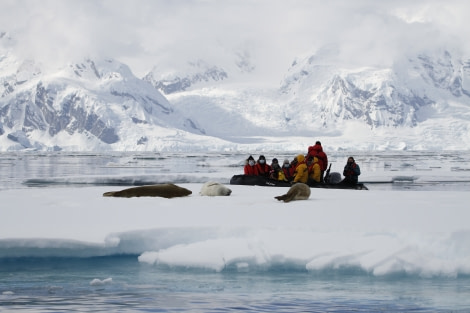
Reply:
x=160, y=190
x=214, y=189
x=298, y=191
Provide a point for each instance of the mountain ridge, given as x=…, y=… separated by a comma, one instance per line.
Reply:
x=100, y=105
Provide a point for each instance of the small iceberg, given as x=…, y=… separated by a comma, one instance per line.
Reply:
x=99, y=282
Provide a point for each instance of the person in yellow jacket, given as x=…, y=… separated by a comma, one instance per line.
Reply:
x=314, y=170
x=301, y=170
x=276, y=171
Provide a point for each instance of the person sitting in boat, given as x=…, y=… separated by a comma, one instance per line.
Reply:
x=250, y=168
x=314, y=171
x=276, y=171
x=351, y=172
x=262, y=168
x=317, y=151
x=301, y=170
x=288, y=170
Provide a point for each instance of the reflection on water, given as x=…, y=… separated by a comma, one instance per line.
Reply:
x=402, y=170
x=56, y=284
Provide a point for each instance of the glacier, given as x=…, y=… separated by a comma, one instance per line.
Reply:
x=421, y=102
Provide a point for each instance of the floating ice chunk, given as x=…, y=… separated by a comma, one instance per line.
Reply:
x=99, y=282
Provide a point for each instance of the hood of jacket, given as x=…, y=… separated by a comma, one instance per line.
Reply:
x=316, y=148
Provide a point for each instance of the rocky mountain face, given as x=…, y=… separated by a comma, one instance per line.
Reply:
x=100, y=104
x=378, y=97
x=199, y=72
x=91, y=99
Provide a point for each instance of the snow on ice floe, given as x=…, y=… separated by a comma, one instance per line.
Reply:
x=379, y=232
x=379, y=254
x=59, y=211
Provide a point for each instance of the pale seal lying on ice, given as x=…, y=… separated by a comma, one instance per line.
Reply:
x=298, y=191
x=214, y=189
x=161, y=190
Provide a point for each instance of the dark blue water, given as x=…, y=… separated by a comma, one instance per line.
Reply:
x=61, y=284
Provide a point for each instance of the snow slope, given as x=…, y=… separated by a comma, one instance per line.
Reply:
x=422, y=102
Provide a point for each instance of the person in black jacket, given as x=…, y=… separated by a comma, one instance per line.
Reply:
x=351, y=172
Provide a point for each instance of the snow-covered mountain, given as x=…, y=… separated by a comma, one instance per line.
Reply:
x=421, y=102
x=400, y=96
x=86, y=105
x=196, y=73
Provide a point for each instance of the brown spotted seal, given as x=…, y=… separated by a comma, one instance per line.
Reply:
x=298, y=191
x=160, y=190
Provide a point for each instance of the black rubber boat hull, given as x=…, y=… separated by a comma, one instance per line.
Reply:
x=264, y=181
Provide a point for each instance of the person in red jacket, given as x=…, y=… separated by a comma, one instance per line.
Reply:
x=288, y=170
x=250, y=168
x=262, y=168
x=317, y=151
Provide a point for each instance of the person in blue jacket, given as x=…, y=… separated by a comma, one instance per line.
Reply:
x=351, y=172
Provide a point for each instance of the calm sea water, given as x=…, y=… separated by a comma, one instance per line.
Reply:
x=66, y=285
x=403, y=170
x=122, y=284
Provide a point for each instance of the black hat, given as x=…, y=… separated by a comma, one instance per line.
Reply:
x=251, y=158
x=274, y=160
x=261, y=157
x=318, y=143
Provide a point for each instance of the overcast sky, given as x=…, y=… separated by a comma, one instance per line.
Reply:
x=167, y=33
